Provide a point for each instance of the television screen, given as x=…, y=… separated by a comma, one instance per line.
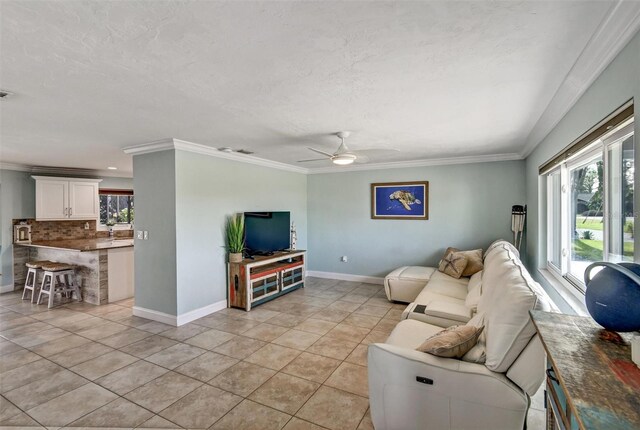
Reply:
x=266, y=231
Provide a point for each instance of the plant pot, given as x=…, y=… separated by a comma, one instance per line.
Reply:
x=235, y=257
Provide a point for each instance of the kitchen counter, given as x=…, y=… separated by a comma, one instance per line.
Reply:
x=82, y=245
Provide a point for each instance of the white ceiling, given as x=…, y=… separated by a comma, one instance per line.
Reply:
x=431, y=79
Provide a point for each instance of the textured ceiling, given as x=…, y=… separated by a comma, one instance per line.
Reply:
x=431, y=79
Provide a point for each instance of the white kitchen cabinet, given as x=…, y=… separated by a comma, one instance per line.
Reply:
x=66, y=198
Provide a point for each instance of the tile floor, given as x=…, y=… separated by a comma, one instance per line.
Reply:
x=298, y=362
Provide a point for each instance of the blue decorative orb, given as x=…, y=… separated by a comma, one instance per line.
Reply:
x=613, y=296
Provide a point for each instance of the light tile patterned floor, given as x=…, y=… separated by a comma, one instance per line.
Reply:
x=298, y=362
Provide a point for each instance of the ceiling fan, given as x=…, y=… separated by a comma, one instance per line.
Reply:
x=343, y=155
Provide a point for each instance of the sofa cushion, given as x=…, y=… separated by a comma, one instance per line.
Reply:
x=508, y=294
x=405, y=283
x=452, y=342
x=477, y=354
x=474, y=289
x=410, y=333
x=453, y=264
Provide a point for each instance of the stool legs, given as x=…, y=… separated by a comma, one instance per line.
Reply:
x=62, y=282
x=30, y=284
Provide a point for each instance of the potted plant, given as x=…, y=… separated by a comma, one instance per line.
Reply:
x=110, y=224
x=235, y=237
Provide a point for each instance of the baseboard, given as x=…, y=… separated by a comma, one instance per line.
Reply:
x=182, y=319
x=346, y=277
x=150, y=314
x=201, y=312
x=6, y=288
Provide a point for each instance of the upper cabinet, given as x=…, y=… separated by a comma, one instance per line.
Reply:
x=66, y=198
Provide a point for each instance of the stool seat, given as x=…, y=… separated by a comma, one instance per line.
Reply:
x=56, y=267
x=37, y=264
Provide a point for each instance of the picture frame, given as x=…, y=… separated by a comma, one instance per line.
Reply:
x=400, y=200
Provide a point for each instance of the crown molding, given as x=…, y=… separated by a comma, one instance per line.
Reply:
x=612, y=35
x=63, y=171
x=183, y=145
x=15, y=167
x=418, y=163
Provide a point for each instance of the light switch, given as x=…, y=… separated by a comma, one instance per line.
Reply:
x=139, y=235
x=146, y=235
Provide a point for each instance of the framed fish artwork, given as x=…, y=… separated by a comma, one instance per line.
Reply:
x=400, y=200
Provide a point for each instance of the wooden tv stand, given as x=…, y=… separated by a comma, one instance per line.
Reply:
x=263, y=278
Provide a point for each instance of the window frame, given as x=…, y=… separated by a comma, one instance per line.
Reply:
x=600, y=148
x=115, y=192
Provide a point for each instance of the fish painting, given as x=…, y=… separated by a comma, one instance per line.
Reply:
x=406, y=198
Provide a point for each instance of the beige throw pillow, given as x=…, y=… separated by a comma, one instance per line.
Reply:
x=452, y=342
x=474, y=260
x=453, y=264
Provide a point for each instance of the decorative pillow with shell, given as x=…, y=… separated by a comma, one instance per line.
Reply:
x=474, y=260
x=453, y=264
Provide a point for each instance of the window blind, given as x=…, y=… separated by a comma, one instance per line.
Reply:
x=114, y=192
x=621, y=115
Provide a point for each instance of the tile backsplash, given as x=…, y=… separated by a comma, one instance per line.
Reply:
x=64, y=230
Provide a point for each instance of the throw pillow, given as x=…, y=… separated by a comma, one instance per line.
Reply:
x=474, y=260
x=452, y=342
x=453, y=264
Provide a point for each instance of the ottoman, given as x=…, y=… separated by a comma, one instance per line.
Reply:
x=405, y=283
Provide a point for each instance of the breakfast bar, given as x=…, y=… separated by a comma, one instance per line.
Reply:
x=104, y=267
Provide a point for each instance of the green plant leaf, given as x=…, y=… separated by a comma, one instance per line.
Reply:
x=235, y=233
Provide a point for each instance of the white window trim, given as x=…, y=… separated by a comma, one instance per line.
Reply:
x=569, y=293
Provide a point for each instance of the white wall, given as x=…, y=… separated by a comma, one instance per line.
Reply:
x=469, y=207
x=619, y=82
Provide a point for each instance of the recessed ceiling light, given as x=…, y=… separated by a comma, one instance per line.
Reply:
x=112, y=168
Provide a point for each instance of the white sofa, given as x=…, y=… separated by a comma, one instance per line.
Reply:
x=490, y=387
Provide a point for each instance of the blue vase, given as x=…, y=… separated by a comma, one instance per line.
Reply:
x=613, y=295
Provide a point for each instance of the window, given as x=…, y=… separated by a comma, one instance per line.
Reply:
x=590, y=209
x=116, y=206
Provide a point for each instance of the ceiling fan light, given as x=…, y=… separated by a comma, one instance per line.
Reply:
x=343, y=161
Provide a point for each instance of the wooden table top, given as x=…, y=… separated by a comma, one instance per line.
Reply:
x=594, y=368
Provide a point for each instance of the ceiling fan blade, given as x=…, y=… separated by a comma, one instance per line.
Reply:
x=375, y=152
x=314, y=159
x=362, y=159
x=321, y=152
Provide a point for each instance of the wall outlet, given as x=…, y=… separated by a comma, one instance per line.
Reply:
x=146, y=235
x=343, y=258
x=139, y=235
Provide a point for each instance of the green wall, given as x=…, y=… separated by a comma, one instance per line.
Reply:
x=619, y=82
x=469, y=207
x=183, y=199
x=154, y=187
x=17, y=200
x=208, y=189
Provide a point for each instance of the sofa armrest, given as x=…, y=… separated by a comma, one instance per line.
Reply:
x=407, y=387
x=448, y=310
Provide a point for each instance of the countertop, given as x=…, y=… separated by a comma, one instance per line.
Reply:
x=82, y=245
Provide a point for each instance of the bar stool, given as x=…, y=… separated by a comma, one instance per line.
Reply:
x=58, y=278
x=32, y=276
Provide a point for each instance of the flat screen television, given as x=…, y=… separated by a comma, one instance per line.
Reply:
x=266, y=232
